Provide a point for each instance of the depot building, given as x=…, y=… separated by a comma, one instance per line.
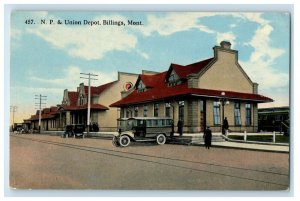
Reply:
x=200, y=94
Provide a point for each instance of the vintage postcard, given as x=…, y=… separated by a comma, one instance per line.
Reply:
x=149, y=100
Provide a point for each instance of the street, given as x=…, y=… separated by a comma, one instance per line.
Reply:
x=52, y=162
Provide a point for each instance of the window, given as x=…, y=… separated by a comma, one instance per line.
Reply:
x=127, y=113
x=237, y=114
x=181, y=110
x=169, y=122
x=201, y=106
x=149, y=123
x=168, y=109
x=141, y=87
x=136, y=111
x=81, y=100
x=145, y=110
x=155, y=110
x=248, y=114
x=171, y=78
x=217, y=113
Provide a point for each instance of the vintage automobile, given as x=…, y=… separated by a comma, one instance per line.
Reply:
x=140, y=129
x=74, y=130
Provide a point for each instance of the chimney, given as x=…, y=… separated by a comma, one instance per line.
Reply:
x=255, y=88
x=225, y=45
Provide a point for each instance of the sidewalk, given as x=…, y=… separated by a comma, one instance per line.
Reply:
x=252, y=146
x=196, y=139
x=239, y=144
x=186, y=139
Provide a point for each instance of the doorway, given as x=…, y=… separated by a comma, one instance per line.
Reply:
x=202, y=108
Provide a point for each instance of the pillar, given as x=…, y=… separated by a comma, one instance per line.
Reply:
x=193, y=117
x=68, y=118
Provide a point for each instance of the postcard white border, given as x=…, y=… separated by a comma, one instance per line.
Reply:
x=158, y=7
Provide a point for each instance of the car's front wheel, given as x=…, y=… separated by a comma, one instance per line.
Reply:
x=161, y=139
x=124, y=140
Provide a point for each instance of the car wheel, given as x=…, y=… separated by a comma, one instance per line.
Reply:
x=124, y=140
x=161, y=139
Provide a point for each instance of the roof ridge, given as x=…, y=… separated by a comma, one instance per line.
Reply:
x=200, y=61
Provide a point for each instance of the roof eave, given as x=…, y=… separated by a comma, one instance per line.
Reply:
x=235, y=98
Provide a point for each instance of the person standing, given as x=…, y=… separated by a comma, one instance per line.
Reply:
x=180, y=125
x=225, y=126
x=207, y=138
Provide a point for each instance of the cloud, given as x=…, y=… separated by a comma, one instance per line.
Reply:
x=174, y=22
x=252, y=17
x=228, y=36
x=37, y=90
x=86, y=42
x=177, y=22
x=70, y=78
x=16, y=36
x=15, y=33
x=262, y=63
x=144, y=55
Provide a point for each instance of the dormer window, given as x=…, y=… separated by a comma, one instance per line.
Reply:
x=141, y=87
x=173, y=79
x=81, y=99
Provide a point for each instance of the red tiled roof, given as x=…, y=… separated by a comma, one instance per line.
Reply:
x=47, y=113
x=152, y=80
x=84, y=107
x=161, y=90
x=73, y=96
x=46, y=110
x=53, y=109
x=98, y=90
x=166, y=92
x=184, y=71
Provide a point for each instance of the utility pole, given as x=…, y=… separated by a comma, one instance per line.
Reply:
x=39, y=104
x=89, y=98
x=13, y=109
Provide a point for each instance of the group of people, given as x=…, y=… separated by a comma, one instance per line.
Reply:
x=207, y=136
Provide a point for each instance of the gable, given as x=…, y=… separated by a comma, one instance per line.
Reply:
x=225, y=74
x=173, y=77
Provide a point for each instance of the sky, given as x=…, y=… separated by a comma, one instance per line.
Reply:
x=48, y=58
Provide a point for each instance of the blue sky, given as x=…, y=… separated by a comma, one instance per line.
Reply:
x=46, y=59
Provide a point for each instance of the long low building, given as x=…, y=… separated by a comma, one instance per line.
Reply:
x=73, y=107
x=200, y=94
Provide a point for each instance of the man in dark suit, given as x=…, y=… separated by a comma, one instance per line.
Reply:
x=225, y=126
x=180, y=127
x=207, y=138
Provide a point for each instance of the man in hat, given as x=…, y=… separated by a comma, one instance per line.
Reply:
x=207, y=138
